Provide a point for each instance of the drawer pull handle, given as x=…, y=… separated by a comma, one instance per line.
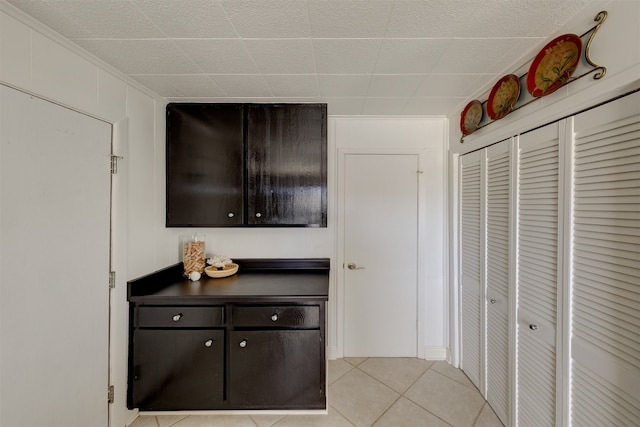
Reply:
x=208, y=343
x=274, y=317
x=243, y=343
x=533, y=327
x=177, y=317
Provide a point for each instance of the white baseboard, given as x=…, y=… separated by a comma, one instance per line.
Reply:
x=435, y=353
x=332, y=353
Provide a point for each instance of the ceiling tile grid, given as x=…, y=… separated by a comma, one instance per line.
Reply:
x=388, y=57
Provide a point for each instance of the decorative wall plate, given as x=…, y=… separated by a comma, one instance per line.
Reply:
x=554, y=65
x=471, y=117
x=503, y=96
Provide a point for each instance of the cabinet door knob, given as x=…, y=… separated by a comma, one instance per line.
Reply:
x=533, y=327
x=208, y=343
x=243, y=343
x=231, y=214
x=274, y=317
x=258, y=214
x=177, y=317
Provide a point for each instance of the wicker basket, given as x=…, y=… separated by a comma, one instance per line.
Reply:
x=228, y=270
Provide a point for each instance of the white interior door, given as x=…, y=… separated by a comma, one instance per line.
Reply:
x=381, y=244
x=54, y=233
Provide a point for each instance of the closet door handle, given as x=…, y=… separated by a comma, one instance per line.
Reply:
x=493, y=301
x=533, y=327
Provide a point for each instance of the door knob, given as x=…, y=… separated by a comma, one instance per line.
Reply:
x=353, y=266
x=243, y=343
x=208, y=343
x=493, y=301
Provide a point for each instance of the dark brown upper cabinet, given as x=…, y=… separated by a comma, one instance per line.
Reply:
x=246, y=165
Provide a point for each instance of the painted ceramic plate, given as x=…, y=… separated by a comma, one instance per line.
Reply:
x=471, y=117
x=554, y=65
x=503, y=96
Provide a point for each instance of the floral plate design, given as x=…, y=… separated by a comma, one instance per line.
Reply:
x=503, y=96
x=471, y=117
x=554, y=65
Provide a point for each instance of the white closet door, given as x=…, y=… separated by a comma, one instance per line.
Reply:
x=537, y=277
x=471, y=265
x=497, y=279
x=605, y=331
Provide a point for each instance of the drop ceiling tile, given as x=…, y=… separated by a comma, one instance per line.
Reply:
x=346, y=56
x=117, y=19
x=508, y=18
x=344, y=106
x=475, y=56
x=293, y=85
x=406, y=56
x=242, y=85
x=269, y=18
x=430, y=106
x=344, y=85
x=221, y=56
x=384, y=106
x=51, y=17
x=397, y=85
x=174, y=85
x=188, y=18
x=348, y=18
x=441, y=85
x=440, y=19
x=141, y=56
x=282, y=56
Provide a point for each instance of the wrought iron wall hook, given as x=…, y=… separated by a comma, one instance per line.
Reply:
x=599, y=18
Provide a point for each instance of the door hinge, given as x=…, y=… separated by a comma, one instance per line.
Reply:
x=110, y=394
x=114, y=164
x=112, y=279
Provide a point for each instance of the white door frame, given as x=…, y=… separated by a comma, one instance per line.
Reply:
x=340, y=233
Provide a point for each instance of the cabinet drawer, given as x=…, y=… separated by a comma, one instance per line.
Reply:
x=179, y=317
x=304, y=317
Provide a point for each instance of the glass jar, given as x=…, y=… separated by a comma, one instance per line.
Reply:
x=193, y=255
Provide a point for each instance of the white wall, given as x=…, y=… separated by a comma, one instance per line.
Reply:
x=37, y=61
x=615, y=46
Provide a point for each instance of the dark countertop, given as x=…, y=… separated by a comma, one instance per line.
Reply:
x=257, y=280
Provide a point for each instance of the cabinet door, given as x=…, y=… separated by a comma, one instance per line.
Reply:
x=287, y=164
x=205, y=163
x=605, y=295
x=497, y=278
x=178, y=369
x=276, y=369
x=538, y=276
x=471, y=267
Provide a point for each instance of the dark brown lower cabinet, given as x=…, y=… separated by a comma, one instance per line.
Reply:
x=177, y=369
x=276, y=369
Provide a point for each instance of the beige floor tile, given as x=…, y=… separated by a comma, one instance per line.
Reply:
x=145, y=421
x=360, y=398
x=453, y=402
x=338, y=368
x=405, y=413
x=399, y=373
x=455, y=374
x=355, y=361
x=332, y=419
x=266, y=420
x=169, y=420
x=216, y=421
x=488, y=418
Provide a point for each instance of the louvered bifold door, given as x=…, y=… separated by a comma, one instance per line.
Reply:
x=537, y=276
x=471, y=266
x=605, y=324
x=497, y=267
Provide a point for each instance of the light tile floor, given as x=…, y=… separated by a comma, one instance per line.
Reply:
x=380, y=392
